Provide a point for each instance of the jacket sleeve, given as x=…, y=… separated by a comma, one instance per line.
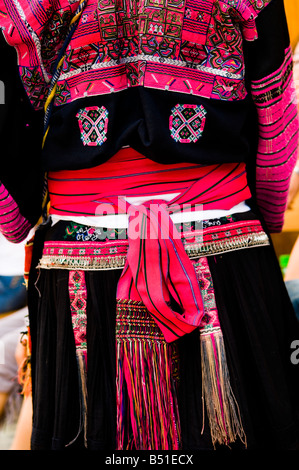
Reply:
x=269, y=77
x=37, y=30
x=31, y=36
x=21, y=177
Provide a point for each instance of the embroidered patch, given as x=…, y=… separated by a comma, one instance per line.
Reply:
x=205, y=281
x=93, y=124
x=78, y=296
x=187, y=122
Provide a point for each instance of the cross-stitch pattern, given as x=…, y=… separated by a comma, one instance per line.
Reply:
x=78, y=295
x=187, y=122
x=176, y=45
x=93, y=123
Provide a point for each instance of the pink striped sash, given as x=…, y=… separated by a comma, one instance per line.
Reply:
x=157, y=270
x=92, y=190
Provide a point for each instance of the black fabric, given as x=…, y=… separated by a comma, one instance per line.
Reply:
x=258, y=324
x=21, y=129
x=101, y=359
x=266, y=54
x=56, y=396
x=139, y=117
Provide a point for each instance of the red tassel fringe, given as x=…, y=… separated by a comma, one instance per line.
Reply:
x=147, y=411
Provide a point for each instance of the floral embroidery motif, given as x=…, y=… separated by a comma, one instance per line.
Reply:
x=78, y=296
x=207, y=289
x=93, y=124
x=187, y=122
x=78, y=232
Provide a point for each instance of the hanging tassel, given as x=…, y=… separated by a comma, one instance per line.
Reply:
x=146, y=393
x=222, y=407
x=81, y=364
x=81, y=360
x=78, y=299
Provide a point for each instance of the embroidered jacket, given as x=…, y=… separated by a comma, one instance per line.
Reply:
x=205, y=81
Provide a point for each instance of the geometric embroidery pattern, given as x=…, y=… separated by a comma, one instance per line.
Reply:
x=176, y=45
x=78, y=295
x=186, y=122
x=93, y=124
x=205, y=281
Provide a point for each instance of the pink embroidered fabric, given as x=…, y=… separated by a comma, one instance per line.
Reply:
x=105, y=56
x=275, y=99
x=78, y=298
x=12, y=224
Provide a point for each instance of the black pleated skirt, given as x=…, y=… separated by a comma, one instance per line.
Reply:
x=259, y=328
